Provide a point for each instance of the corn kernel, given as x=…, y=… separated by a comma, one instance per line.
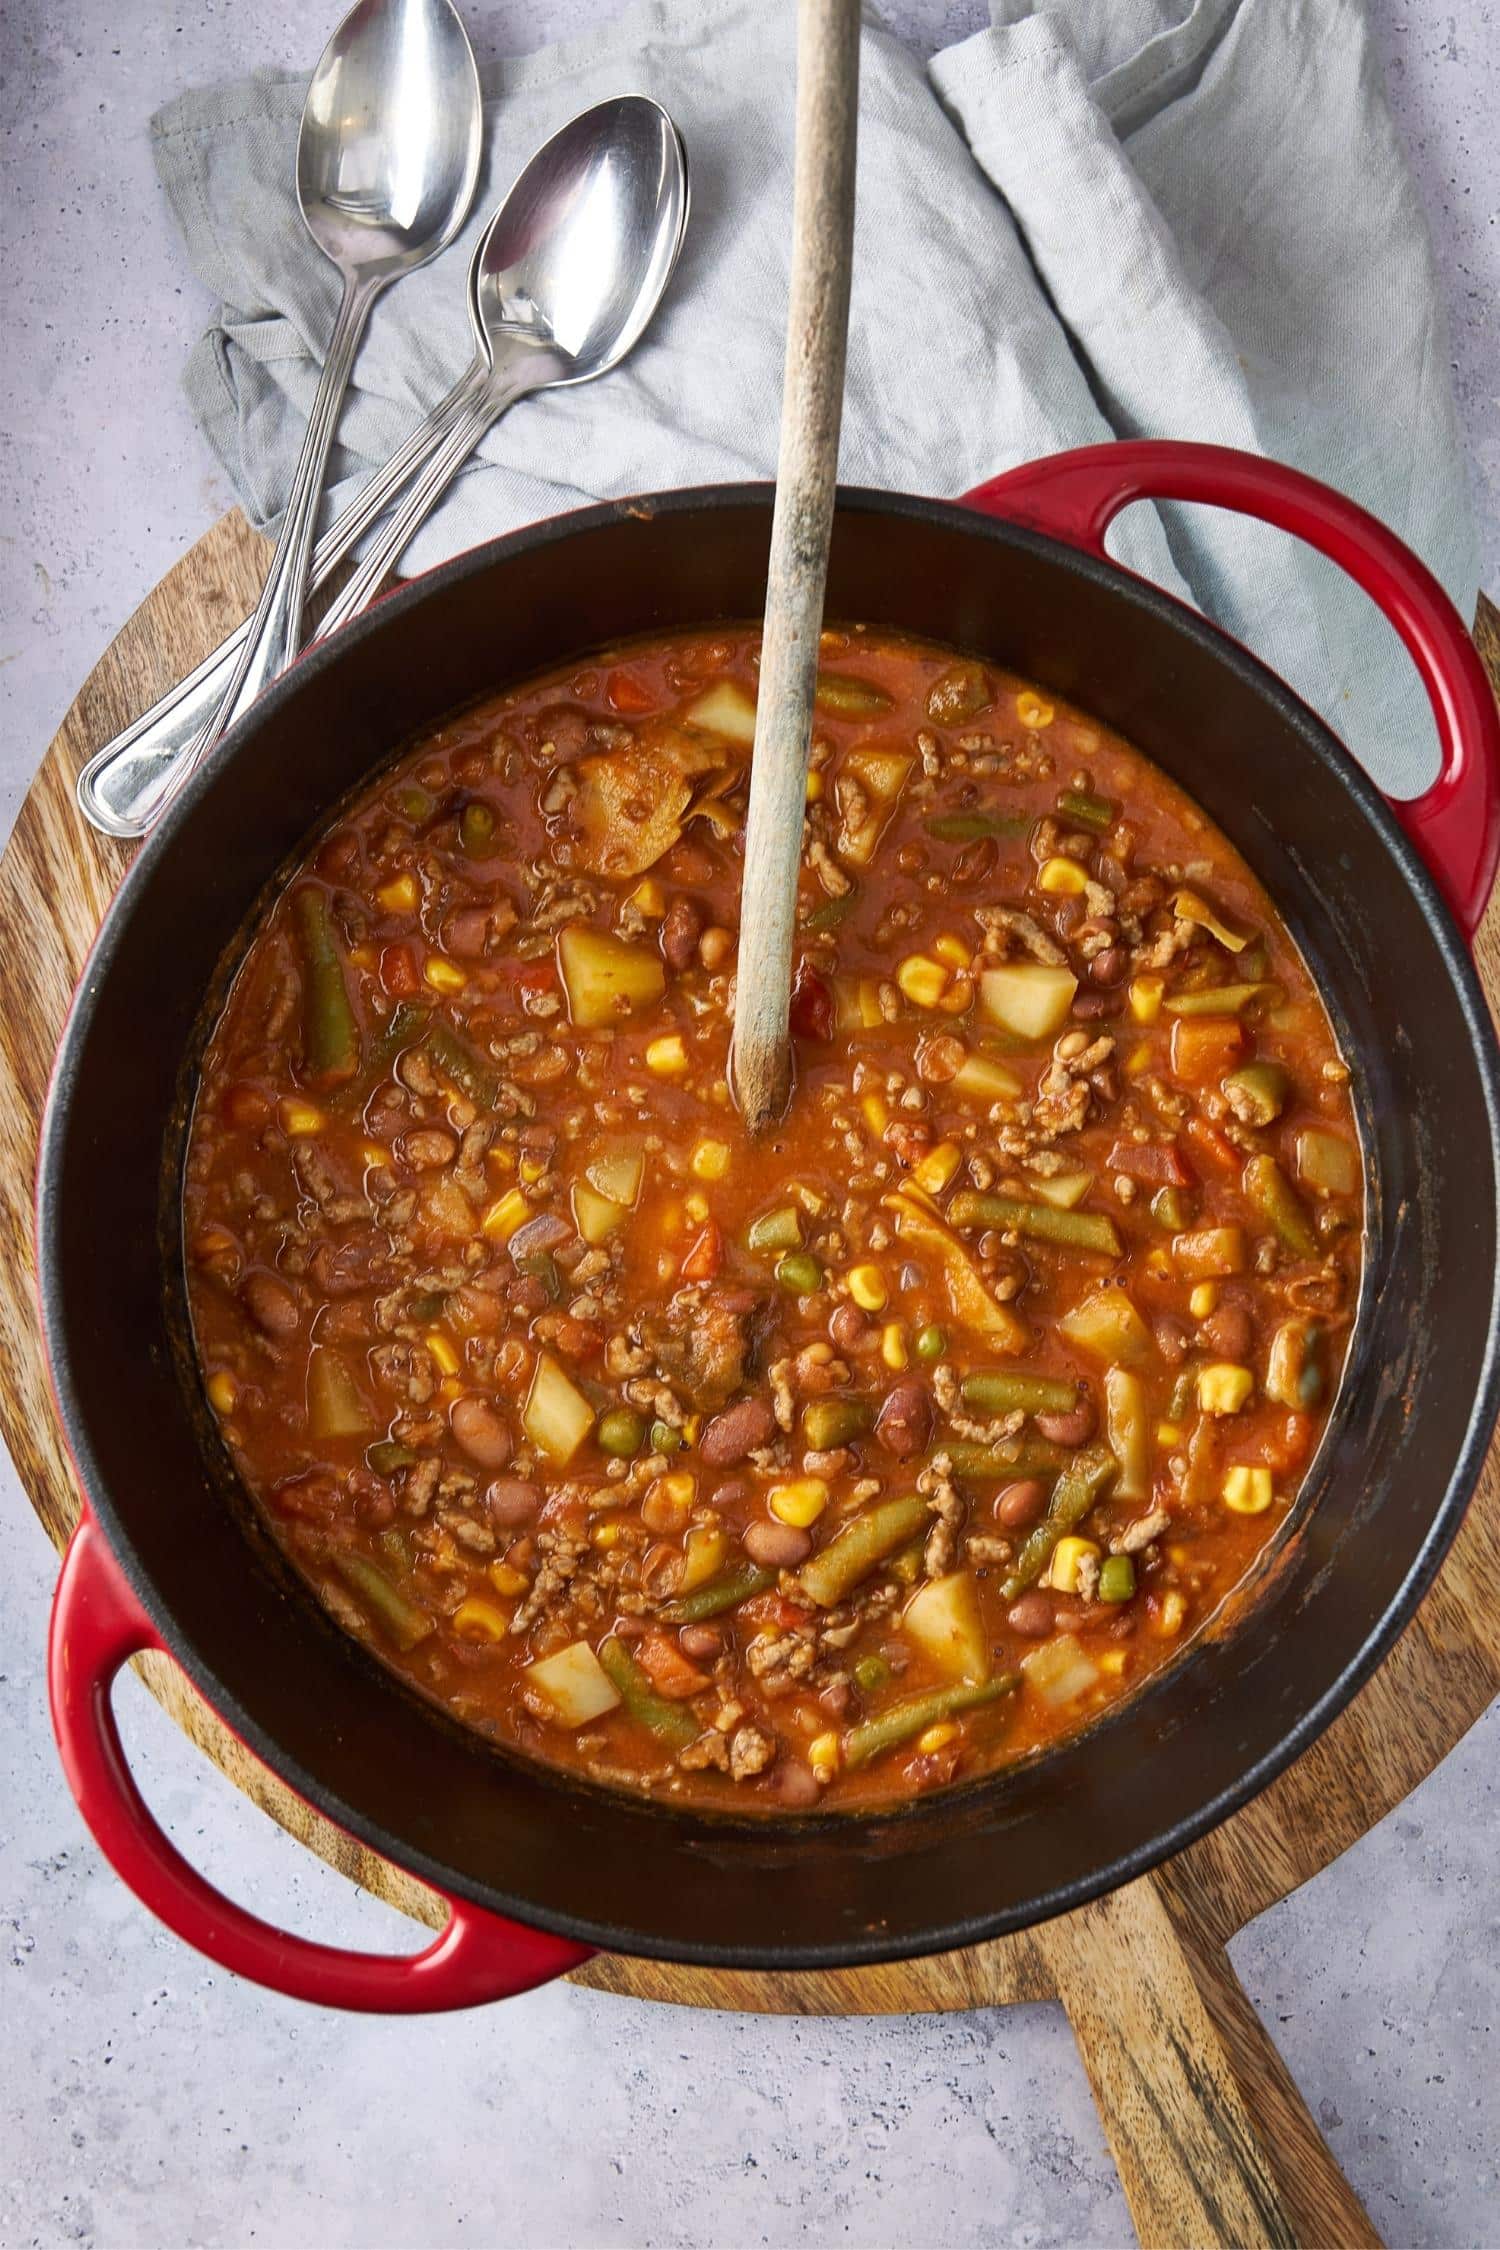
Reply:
x=871, y=1014
x=1169, y=1433
x=223, y=1390
x=1138, y=1060
x=1223, y=1388
x=1170, y=1614
x=1203, y=1299
x=300, y=1118
x=939, y=1736
x=1247, y=1491
x=363, y=956
x=1032, y=711
x=922, y=980
x=800, y=1501
x=648, y=897
x=1067, y=878
x=449, y=1389
x=867, y=1288
x=375, y=1152
x=1146, y=996
x=823, y=1756
x=953, y=950
x=506, y=1579
x=893, y=1346
x=877, y=1115
x=606, y=1534
x=502, y=1218
x=532, y=1169
x=1159, y=1264
x=442, y=1351
x=503, y=1158
x=710, y=1160
x=479, y=1620
x=443, y=975
x=938, y=1167
x=667, y=1056
x=1112, y=1662
x=692, y=1429
x=815, y=787
x=1068, y=1557
x=400, y=895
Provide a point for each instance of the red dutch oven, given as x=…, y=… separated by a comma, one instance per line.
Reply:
x=538, y=1869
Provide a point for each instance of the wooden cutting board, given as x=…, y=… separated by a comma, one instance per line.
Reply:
x=1213, y=2141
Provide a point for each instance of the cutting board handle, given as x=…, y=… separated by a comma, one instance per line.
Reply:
x=1213, y=2142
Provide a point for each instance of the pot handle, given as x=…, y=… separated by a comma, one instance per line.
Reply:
x=1455, y=824
x=97, y=1625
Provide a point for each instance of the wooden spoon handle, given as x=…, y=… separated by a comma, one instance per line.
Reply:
x=1213, y=2142
x=806, y=471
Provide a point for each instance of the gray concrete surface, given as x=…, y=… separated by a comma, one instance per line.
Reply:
x=147, y=2100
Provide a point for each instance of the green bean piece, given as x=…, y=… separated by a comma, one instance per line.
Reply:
x=1083, y=805
x=458, y=1062
x=664, y=1439
x=960, y=693
x=426, y=1307
x=1020, y=1458
x=1221, y=999
x=669, y=1722
x=1170, y=1209
x=827, y=1422
x=400, y=1619
x=866, y=1540
x=849, y=698
x=1082, y=1482
x=969, y=827
x=916, y=1713
x=799, y=1273
x=1039, y=1222
x=1271, y=1195
x=1184, y=1391
x=476, y=829
x=719, y=1594
x=621, y=1432
x=402, y=1027
x=871, y=1672
x=776, y=1230
x=929, y=1343
x=833, y=911
x=330, y=1034
x=542, y=1267
x=392, y=1544
x=1257, y=1092
x=1003, y=1390
x=386, y=1456
x=1116, y=1578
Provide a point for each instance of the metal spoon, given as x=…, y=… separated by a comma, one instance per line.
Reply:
x=570, y=273
x=387, y=161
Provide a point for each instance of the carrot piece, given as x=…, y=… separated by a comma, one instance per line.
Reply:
x=706, y=1254
x=1153, y=1163
x=667, y=1668
x=1207, y=1142
x=625, y=693
x=398, y=972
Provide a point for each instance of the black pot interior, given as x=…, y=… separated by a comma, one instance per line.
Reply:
x=1386, y=1491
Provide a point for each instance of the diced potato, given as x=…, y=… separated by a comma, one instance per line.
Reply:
x=880, y=777
x=938, y=1167
x=1208, y=1253
x=727, y=710
x=617, y=1175
x=557, y=1417
x=1108, y=1327
x=1064, y=1191
x=969, y=1299
x=943, y=1619
x=574, y=1684
x=604, y=978
x=594, y=1215
x=1059, y=1670
x=703, y=1556
x=1205, y=1047
x=631, y=802
x=980, y=1079
x=1326, y=1162
x=1030, y=998
x=334, y=1406
x=505, y=1214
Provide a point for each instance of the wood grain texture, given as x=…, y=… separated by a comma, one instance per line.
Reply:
x=812, y=407
x=1187, y=2081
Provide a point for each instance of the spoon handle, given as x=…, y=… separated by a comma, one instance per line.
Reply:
x=119, y=787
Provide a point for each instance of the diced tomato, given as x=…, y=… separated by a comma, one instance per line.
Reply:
x=1290, y=1449
x=625, y=693
x=247, y=1108
x=667, y=1668
x=705, y=1256
x=1204, y=1047
x=1153, y=1163
x=1209, y=1144
x=398, y=972
x=536, y=976
x=812, y=1005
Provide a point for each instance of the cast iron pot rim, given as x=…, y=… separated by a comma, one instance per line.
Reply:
x=1112, y=1872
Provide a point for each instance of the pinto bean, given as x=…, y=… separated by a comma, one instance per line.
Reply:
x=731, y=1437
x=1087, y=1005
x=794, y=1783
x=715, y=947
x=776, y=1546
x=465, y=932
x=512, y=1501
x=1031, y=1617
x=940, y=1057
x=848, y=1327
x=701, y=1642
x=1075, y=1427
x=682, y=926
x=270, y=1304
x=1172, y=1338
x=904, y=1420
x=1021, y=1504
x=483, y=1434
x=429, y=1148
x=1109, y=967
x=1229, y=1331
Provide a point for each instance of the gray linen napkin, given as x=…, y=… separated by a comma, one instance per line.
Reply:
x=1183, y=218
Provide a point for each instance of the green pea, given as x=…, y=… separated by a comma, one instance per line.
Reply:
x=620, y=1431
x=664, y=1439
x=387, y=1456
x=1117, y=1579
x=414, y=802
x=871, y=1672
x=930, y=1342
x=799, y=1273
x=476, y=829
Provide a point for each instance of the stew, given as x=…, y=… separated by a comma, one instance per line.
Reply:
x=814, y=1472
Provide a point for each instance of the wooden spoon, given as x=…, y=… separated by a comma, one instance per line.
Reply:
x=806, y=469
